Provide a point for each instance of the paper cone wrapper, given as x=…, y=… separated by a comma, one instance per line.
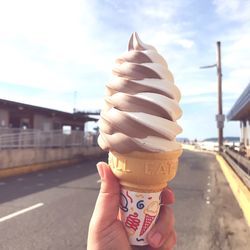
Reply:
x=142, y=177
x=138, y=212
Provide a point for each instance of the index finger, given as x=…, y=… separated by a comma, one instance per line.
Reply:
x=167, y=196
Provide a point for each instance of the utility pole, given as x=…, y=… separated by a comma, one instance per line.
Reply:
x=220, y=118
x=75, y=102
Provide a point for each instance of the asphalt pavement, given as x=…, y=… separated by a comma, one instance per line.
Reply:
x=51, y=209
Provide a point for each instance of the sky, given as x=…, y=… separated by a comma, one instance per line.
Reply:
x=59, y=54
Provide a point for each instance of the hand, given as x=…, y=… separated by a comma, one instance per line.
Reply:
x=107, y=232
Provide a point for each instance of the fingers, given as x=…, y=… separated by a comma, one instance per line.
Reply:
x=170, y=242
x=160, y=232
x=167, y=196
x=109, y=182
x=162, y=235
x=107, y=204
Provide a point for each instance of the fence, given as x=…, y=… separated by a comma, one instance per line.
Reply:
x=239, y=163
x=18, y=138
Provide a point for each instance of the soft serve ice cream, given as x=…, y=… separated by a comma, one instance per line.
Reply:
x=141, y=103
x=138, y=127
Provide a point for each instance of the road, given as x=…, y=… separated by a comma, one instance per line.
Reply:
x=50, y=209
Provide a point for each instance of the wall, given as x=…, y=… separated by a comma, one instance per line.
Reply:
x=21, y=157
x=42, y=122
x=245, y=135
x=4, y=118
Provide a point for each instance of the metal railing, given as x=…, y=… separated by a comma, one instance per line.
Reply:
x=239, y=163
x=37, y=139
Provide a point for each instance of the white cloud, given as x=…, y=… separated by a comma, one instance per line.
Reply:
x=199, y=99
x=232, y=29
x=46, y=43
x=61, y=46
x=90, y=104
x=197, y=88
x=186, y=43
x=233, y=9
x=16, y=67
x=43, y=39
x=157, y=10
x=209, y=98
x=42, y=100
x=235, y=58
x=236, y=46
x=159, y=22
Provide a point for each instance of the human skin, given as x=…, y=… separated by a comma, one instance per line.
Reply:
x=106, y=231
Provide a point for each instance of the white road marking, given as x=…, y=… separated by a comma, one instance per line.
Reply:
x=208, y=202
x=207, y=198
x=208, y=177
x=25, y=210
x=208, y=184
x=2, y=183
x=209, y=190
x=99, y=181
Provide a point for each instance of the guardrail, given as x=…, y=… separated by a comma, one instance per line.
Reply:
x=53, y=138
x=239, y=163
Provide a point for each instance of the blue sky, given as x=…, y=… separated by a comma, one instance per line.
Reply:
x=51, y=49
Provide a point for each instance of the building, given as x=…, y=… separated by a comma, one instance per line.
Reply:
x=20, y=115
x=241, y=112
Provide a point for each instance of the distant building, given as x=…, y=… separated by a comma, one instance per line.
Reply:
x=241, y=112
x=20, y=115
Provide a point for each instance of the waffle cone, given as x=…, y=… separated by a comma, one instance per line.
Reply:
x=144, y=172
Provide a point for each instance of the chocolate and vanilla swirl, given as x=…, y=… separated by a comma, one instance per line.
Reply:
x=141, y=103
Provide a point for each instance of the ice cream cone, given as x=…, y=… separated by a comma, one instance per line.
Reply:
x=138, y=126
x=143, y=171
x=142, y=177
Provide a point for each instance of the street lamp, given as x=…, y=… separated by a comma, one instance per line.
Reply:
x=220, y=118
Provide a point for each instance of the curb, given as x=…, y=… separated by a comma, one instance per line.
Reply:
x=12, y=171
x=192, y=148
x=240, y=191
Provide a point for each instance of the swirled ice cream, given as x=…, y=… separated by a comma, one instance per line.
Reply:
x=141, y=103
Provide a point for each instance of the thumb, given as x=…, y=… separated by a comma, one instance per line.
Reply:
x=107, y=204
